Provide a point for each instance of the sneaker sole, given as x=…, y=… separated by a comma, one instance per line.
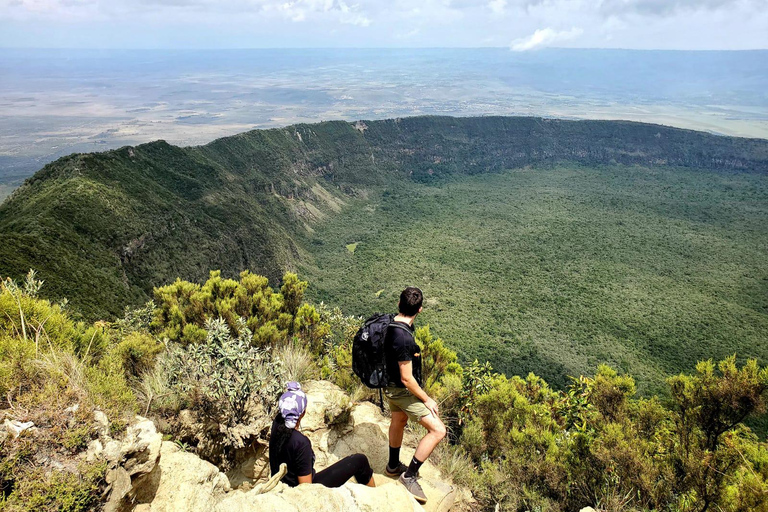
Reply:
x=417, y=498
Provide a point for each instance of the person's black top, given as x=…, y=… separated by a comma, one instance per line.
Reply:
x=401, y=346
x=296, y=453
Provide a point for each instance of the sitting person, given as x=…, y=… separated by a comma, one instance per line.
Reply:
x=288, y=445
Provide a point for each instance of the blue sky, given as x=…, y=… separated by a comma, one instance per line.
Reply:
x=521, y=25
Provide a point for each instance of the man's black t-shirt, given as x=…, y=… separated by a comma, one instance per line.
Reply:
x=401, y=346
x=296, y=453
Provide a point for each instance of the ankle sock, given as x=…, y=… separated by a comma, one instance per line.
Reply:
x=413, y=467
x=394, y=458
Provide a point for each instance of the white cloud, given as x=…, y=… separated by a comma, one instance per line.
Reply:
x=544, y=37
x=664, y=24
x=497, y=6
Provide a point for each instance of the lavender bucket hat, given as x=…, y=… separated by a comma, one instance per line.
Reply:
x=292, y=404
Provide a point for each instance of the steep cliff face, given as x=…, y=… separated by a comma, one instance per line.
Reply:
x=139, y=216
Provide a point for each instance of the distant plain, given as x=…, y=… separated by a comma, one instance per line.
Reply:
x=55, y=102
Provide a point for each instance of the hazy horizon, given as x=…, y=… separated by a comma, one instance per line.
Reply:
x=54, y=102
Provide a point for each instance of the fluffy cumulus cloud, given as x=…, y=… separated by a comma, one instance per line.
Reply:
x=544, y=37
x=518, y=24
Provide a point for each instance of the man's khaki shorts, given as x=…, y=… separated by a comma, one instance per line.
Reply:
x=402, y=400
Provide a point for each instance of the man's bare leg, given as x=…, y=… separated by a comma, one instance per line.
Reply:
x=396, y=428
x=435, y=433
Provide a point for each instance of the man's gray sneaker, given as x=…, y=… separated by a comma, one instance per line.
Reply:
x=411, y=483
x=399, y=470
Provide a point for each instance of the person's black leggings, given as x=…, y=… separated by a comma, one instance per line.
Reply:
x=356, y=465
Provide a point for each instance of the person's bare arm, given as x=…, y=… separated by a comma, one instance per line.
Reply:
x=406, y=377
x=305, y=479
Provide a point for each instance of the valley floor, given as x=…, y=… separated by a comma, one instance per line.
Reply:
x=554, y=270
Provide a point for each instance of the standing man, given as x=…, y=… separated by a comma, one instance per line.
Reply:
x=407, y=400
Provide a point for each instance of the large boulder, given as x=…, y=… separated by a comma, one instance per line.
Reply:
x=183, y=482
x=132, y=461
x=141, y=447
x=350, y=497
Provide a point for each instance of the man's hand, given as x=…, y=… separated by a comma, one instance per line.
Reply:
x=432, y=406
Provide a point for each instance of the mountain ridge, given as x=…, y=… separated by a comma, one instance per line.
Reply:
x=142, y=215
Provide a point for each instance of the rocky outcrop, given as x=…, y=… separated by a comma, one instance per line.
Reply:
x=132, y=460
x=315, y=497
x=182, y=482
x=149, y=475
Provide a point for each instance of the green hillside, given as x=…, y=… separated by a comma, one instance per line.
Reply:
x=544, y=245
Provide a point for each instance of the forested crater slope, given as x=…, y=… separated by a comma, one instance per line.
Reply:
x=137, y=216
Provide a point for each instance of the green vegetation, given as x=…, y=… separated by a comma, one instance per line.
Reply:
x=543, y=246
x=138, y=216
x=516, y=443
x=558, y=269
x=527, y=447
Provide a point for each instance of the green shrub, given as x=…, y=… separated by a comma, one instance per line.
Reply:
x=136, y=352
x=25, y=316
x=595, y=444
x=59, y=491
x=16, y=369
x=271, y=317
x=226, y=376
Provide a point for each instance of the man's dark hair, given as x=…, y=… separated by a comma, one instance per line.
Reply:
x=410, y=301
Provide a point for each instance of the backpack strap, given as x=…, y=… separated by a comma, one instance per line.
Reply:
x=400, y=326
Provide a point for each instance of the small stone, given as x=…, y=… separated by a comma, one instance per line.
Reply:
x=94, y=451
x=587, y=509
x=112, y=451
x=102, y=424
x=72, y=409
x=17, y=427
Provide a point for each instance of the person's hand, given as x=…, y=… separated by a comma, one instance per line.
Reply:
x=432, y=406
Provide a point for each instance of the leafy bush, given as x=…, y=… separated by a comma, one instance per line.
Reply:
x=595, y=444
x=48, y=326
x=136, y=353
x=437, y=362
x=60, y=491
x=225, y=376
x=271, y=317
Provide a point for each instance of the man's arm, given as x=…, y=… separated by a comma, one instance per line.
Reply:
x=305, y=479
x=406, y=377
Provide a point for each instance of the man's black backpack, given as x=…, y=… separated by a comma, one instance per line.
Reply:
x=369, y=361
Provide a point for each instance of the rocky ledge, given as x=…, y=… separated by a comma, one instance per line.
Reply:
x=149, y=475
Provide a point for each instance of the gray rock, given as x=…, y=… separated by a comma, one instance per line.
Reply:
x=187, y=483
x=141, y=447
x=101, y=422
x=112, y=451
x=15, y=428
x=120, y=483
x=317, y=498
x=95, y=451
